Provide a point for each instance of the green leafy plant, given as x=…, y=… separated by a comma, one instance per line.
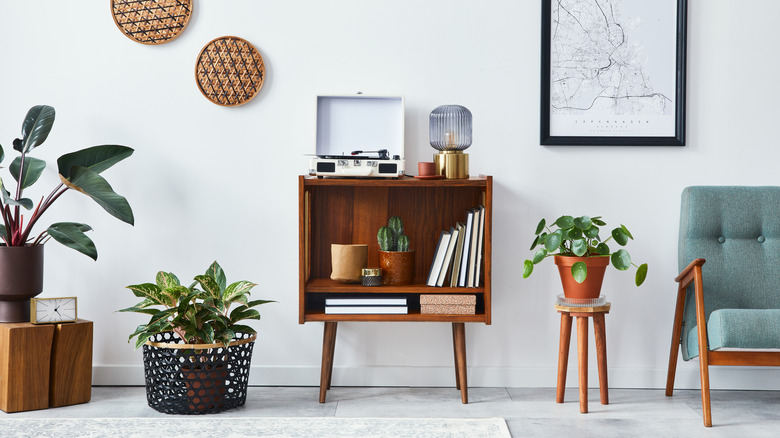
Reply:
x=197, y=316
x=391, y=237
x=78, y=171
x=579, y=237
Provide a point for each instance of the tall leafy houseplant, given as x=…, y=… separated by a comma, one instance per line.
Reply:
x=78, y=171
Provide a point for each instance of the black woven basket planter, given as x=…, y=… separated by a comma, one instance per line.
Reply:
x=196, y=378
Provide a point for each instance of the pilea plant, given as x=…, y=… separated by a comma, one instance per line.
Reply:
x=196, y=316
x=579, y=237
x=78, y=171
x=391, y=237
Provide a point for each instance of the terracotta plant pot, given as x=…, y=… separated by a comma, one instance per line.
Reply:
x=397, y=267
x=21, y=278
x=591, y=287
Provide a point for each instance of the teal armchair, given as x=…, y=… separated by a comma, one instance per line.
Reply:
x=732, y=301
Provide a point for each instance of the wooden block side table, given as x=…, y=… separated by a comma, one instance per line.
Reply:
x=582, y=314
x=43, y=366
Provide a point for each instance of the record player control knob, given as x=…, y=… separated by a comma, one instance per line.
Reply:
x=396, y=157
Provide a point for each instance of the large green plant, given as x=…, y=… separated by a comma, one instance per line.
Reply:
x=79, y=171
x=579, y=237
x=197, y=316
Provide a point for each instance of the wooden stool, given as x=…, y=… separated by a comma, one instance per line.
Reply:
x=582, y=314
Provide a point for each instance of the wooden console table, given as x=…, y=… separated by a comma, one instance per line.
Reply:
x=45, y=366
x=348, y=210
x=582, y=314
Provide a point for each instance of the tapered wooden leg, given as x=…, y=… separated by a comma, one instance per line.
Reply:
x=563, y=356
x=600, y=333
x=459, y=339
x=328, y=347
x=701, y=326
x=455, y=353
x=675, y=348
x=582, y=361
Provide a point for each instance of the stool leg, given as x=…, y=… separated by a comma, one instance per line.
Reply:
x=563, y=356
x=600, y=332
x=582, y=359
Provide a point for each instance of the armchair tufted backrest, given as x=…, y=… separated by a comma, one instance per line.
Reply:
x=737, y=230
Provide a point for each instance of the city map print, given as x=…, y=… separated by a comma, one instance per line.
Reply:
x=612, y=68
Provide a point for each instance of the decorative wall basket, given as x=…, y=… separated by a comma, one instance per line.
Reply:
x=196, y=379
x=230, y=71
x=151, y=21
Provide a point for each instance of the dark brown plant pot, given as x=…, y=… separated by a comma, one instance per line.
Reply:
x=591, y=287
x=205, y=387
x=397, y=267
x=21, y=278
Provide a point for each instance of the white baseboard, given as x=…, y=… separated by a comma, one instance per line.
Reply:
x=747, y=378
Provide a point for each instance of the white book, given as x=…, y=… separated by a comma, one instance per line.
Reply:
x=438, y=257
x=473, y=250
x=464, y=260
x=461, y=228
x=448, y=257
x=366, y=310
x=366, y=301
x=480, y=243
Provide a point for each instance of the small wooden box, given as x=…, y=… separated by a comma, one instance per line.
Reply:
x=44, y=366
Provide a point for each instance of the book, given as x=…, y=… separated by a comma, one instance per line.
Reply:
x=366, y=310
x=480, y=244
x=448, y=309
x=472, y=269
x=458, y=254
x=445, y=267
x=366, y=300
x=438, y=258
x=457, y=299
x=464, y=260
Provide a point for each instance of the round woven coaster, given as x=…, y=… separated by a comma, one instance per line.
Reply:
x=229, y=71
x=151, y=21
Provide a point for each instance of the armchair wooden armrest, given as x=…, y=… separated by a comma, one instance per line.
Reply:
x=686, y=276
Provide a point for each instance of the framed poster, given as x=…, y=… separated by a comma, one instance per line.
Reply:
x=613, y=72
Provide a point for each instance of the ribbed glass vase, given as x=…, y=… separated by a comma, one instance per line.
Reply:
x=450, y=128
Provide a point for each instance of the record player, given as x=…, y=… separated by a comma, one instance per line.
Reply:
x=371, y=127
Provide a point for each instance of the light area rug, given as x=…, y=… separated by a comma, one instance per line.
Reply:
x=281, y=427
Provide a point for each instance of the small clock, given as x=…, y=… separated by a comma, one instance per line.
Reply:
x=53, y=310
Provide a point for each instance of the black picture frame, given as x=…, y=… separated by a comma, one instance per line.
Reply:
x=617, y=136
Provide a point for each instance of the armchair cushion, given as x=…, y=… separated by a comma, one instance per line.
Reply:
x=739, y=328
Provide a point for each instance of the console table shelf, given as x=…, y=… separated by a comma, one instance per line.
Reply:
x=344, y=210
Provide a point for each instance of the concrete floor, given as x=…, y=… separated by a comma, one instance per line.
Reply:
x=529, y=412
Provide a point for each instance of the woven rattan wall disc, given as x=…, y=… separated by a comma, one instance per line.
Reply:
x=229, y=71
x=151, y=21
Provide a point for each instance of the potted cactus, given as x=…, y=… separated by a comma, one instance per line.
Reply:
x=395, y=258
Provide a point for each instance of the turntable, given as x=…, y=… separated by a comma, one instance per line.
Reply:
x=371, y=127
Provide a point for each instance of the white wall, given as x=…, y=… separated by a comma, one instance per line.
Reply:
x=208, y=182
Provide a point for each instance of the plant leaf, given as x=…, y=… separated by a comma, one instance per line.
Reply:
x=540, y=255
x=621, y=260
x=87, y=181
x=215, y=271
x=243, y=329
x=236, y=290
x=602, y=249
x=592, y=232
x=579, y=271
x=540, y=227
x=528, y=268
x=97, y=158
x=147, y=290
x=241, y=313
x=72, y=235
x=35, y=128
x=565, y=222
x=9, y=200
x=2, y=155
x=579, y=247
x=553, y=241
x=33, y=168
x=209, y=284
x=597, y=220
x=259, y=302
x=536, y=242
x=583, y=222
x=167, y=279
x=625, y=230
x=641, y=274
x=620, y=236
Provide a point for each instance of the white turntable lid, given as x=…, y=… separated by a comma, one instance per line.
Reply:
x=360, y=122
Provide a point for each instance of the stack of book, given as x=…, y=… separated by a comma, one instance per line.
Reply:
x=457, y=260
x=448, y=304
x=366, y=304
